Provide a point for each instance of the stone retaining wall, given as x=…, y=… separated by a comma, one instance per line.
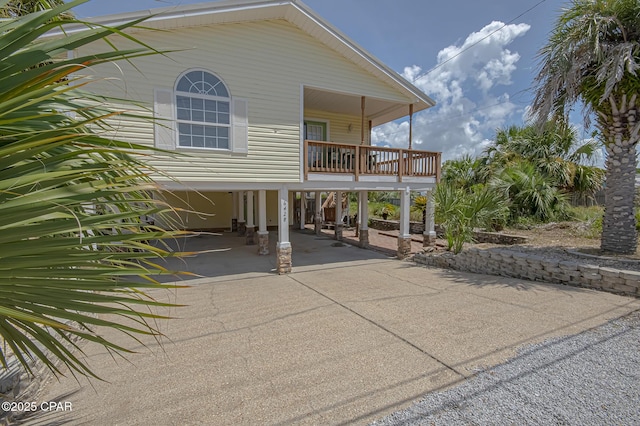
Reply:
x=496, y=238
x=394, y=225
x=478, y=236
x=509, y=263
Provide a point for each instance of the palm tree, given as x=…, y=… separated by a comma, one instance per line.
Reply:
x=553, y=150
x=465, y=172
x=75, y=255
x=593, y=56
x=460, y=210
x=532, y=194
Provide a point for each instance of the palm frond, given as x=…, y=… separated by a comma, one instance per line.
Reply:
x=593, y=52
x=76, y=255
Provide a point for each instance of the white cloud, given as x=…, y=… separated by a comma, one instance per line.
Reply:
x=466, y=84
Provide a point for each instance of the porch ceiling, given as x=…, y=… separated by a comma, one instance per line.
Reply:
x=379, y=111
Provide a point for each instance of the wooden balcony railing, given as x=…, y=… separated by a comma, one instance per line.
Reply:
x=359, y=160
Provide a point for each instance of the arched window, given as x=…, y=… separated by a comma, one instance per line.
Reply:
x=203, y=111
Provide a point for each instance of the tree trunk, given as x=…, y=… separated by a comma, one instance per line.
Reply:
x=619, y=233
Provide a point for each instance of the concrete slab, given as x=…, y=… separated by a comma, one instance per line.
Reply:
x=469, y=320
x=348, y=337
x=229, y=254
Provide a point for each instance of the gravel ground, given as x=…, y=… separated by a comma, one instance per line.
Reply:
x=592, y=378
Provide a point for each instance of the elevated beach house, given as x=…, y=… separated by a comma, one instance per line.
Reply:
x=268, y=101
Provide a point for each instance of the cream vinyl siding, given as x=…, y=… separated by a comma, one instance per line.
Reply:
x=266, y=63
x=272, y=208
x=339, y=126
x=214, y=209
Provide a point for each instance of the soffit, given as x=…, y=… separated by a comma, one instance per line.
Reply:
x=379, y=111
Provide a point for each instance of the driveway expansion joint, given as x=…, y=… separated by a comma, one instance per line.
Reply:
x=382, y=327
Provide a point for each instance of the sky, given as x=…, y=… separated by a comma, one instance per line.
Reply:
x=476, y=58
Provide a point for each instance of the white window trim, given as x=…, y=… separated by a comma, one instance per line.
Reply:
x=177, y=121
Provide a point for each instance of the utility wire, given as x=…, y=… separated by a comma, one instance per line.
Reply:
x=460, y=53
x=477, y=42
x=464, y=50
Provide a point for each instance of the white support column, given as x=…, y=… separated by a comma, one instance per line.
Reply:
x=242, y=225
x=263, y=233
x=283, y=248
x=318, y=213
x=251, y=226
x=363, y=209
x=363, y=218
x=338, y=224
x=404, y=239
x=262, y=210
x=405, y=206
x=303, y=209
x=429, y=234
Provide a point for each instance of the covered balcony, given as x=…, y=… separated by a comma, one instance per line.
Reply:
x=337, y=154
x=368, y=163
x=337, y=139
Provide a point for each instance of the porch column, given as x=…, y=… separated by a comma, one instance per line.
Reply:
x=234, y=214
x=338, y=224
x=404, y=238
x=283, y=247
x=263, y=233
x=362, y=119
x=429, y=234
x=242, y=225
x=251, y=227
x=363, y=218
x=410, y=125
x=303, y=209
x=318, y=213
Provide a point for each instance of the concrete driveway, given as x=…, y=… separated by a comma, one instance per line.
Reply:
x=348, y=337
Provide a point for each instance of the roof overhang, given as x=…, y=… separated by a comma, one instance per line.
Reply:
x=379, y=111
x=300, y=15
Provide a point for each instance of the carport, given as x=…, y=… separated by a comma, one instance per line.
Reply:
x=226, y=253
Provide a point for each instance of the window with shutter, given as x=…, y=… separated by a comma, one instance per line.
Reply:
x=200, y=113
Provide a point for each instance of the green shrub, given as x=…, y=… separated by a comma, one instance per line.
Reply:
x=385, y=210
x=586, y=214
x=596, y=227
x=460, y=211
x=532, y=194
x=416, y=216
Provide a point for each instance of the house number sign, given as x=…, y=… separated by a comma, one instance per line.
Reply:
x=285, y=213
